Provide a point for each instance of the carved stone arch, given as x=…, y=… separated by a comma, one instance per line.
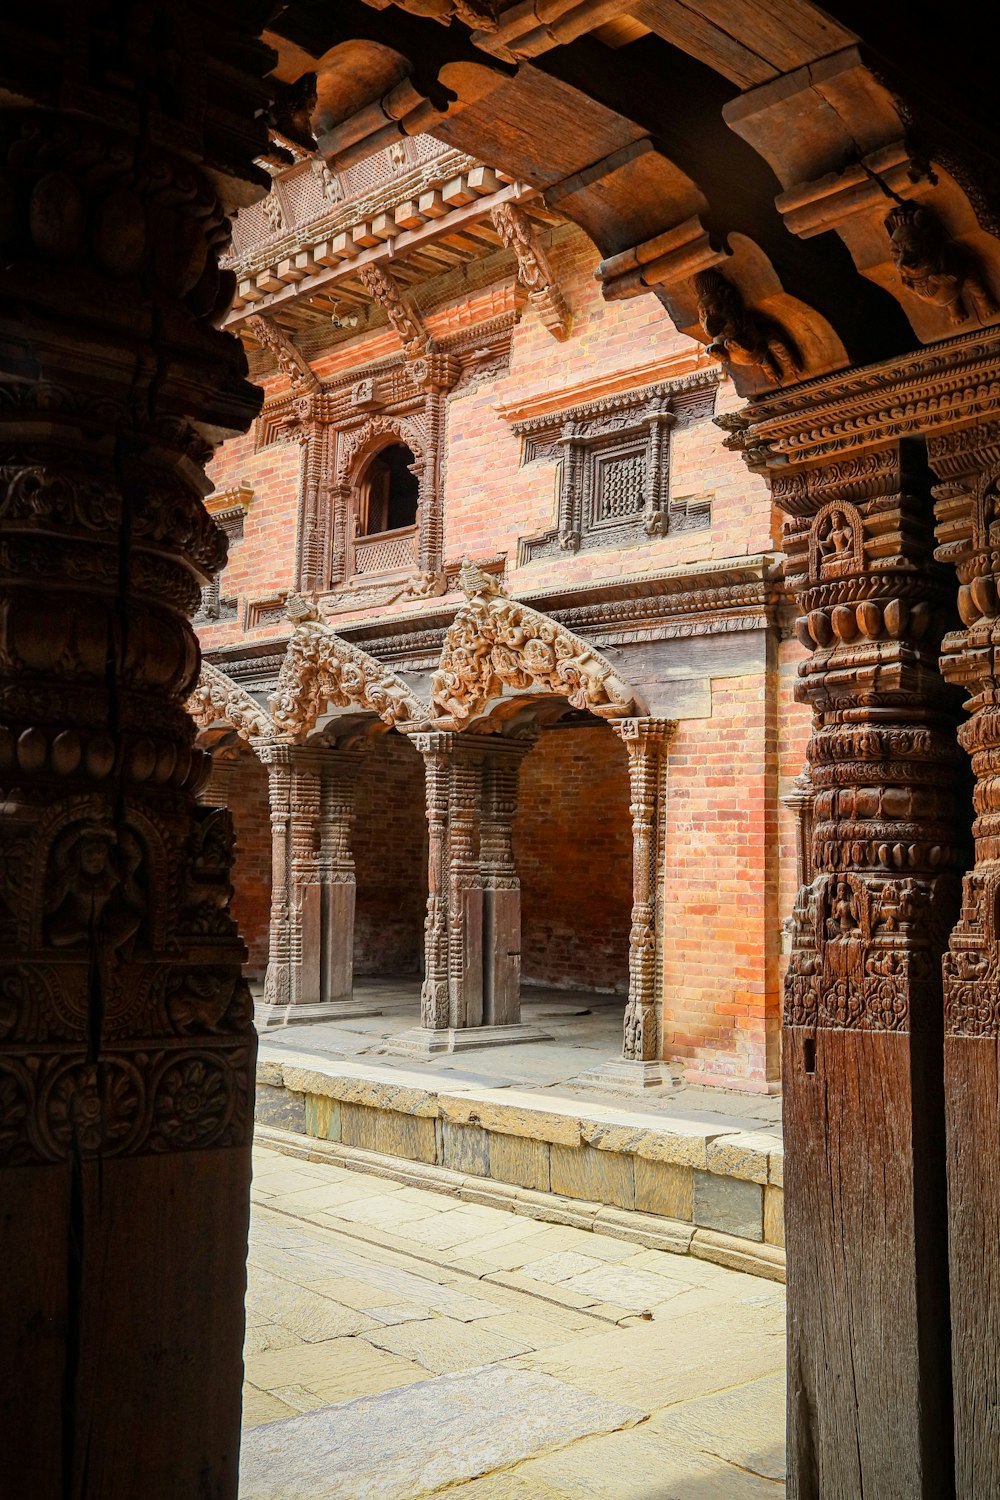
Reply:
x=495, y=643
x=321, y=668
x=217, y=699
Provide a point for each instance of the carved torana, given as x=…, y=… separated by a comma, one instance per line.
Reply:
x=217, y=699
x=321, y=668
x=494, y=644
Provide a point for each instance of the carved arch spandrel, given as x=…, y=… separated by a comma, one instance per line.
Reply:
x=217, y=699
x=321, y=668
x=359, y=444
x=495, y=643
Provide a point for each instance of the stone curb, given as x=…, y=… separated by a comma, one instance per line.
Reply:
x=651, y=1231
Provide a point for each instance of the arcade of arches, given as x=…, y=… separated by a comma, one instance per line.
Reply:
x=619, y=372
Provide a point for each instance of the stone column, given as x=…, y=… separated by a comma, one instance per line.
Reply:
x=460, y=974
x=126, y=1043
x=647, y=742
x=865, y=1207
x=500, y=885
x=310, y=968
x=968, y=516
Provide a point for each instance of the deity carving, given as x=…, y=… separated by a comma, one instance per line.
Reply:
x=934, y=268
x=739, y=336
x=836, y=541
x=94, y=886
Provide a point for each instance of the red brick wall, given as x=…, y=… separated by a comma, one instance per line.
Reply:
x=721, y=1012
x=390, y=856
x=573, y=847
x=242, y=786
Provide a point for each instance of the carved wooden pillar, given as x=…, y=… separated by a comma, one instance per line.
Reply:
x=282, y=947
x=434, y=1005
x=647, y=742
x=466, y=977
x=801, y=801
x=310, y=971
x=968, y=514
x=500, y=885
x=126, y=1043
x=312, y=564
x=868, y=1338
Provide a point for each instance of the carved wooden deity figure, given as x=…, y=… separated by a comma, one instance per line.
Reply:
x=126, y=1045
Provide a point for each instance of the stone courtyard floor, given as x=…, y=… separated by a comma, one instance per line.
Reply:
x=402, y=1343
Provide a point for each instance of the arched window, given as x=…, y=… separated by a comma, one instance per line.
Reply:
x=390, y=492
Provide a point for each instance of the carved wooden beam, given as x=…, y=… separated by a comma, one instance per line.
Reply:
x=533, y=269
x=918, y=222
x=290, y=362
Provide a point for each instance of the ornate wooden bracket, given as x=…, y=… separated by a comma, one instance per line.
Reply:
x=290, y=362
x=383, y=288
x=533, y=270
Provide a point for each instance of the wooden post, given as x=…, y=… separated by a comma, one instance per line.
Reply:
x=126, y=1038
x=968, y=513
x=501, y=886
x=865, y=1212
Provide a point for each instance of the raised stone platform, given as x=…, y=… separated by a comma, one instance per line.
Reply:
x=696, y=1182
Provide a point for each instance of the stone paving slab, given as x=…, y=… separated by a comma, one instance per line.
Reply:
x=431, y=1434
x=704, y=1371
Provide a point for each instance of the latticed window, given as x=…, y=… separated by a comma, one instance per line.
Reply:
x=620, y=487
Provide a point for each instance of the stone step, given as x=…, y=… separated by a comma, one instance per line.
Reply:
x=689, y=1185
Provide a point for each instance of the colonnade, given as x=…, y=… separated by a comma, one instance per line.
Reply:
x=471, y=989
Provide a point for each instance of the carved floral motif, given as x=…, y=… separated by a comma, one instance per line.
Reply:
x=321, y=668
x=495, y=643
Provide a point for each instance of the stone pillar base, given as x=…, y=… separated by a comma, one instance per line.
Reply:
x=270, y=1017
x=626, y=1074
x=421, y=1041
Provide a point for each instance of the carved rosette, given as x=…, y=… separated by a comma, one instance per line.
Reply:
x=124, y=1023
x=322, y=668
x=647, y=742
x=494, y=644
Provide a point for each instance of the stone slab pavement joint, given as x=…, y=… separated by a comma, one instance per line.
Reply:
x=608, y=1371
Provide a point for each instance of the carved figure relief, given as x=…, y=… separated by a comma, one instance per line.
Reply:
x=836, y=541
x=737, y=335
x=495, y=643
x=934, y=268
x=320, y=667
x=94, y=887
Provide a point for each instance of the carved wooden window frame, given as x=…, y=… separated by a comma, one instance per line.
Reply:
x=632, y=426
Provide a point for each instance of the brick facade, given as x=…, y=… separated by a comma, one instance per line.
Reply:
x=575, y=861
x=390, y=858
x=723, y=674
